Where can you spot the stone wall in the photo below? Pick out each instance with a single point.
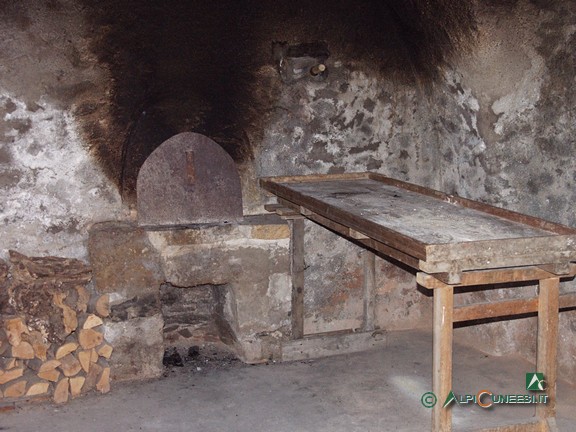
(51, 189)
(497, 126)
(506, 137)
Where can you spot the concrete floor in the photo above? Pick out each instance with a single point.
(373, 391)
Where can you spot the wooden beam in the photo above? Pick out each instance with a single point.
(369, 290)
(287, 213)
(272, 207)
(333, 343)
(442, 357)
(485, 254)
(368, 242)
(357, 234)
(297, 275)
(548, 343)
(559, 269)
(507, 307)
(492, 310)
(283, 211)
(449, 278)
(369, 228)
(390, 252)
(266, 181)
(492, 276)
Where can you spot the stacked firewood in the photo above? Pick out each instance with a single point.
(51, 330)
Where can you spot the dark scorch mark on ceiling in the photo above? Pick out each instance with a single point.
(196, 65)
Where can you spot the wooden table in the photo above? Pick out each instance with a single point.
(450, 242)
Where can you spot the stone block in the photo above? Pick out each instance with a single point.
(204, 264)
(138, 347)
(270, 232)
(123, 260)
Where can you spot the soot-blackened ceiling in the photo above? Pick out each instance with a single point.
(195, 65)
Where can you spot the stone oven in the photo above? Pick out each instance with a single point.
(192, 270)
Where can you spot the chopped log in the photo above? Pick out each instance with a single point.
(58, 298)
(66, 349)
(102, 305)
(69, 318)
(105, 350)
(38, 365)
(84, 359)
(38, 388)
(92, 377)
(103, 384)
(70, 365)
(49, 365)
(8, 363)
(83, 299)
(61, 392)
(11, 375)
(92, 321)
(23, 351)
(16, 390)
(34, 364)
(50, 375)
(71, 298)
(76, 385)
(64, 269)
(39, 344)
(90, 338)
(94, 355)
(15, 327)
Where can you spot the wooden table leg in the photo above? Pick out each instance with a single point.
(547, 347)
(297, 275)
(442, 357)
(369, 290)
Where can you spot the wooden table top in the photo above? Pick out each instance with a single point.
(444, 232)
